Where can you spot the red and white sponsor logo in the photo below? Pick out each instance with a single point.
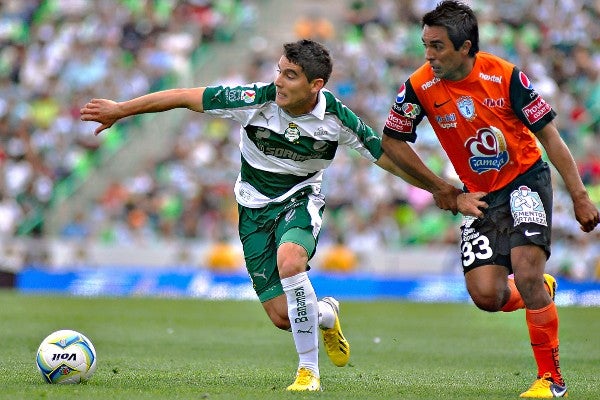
(399, 122)
(525, 81)
(501, 102)
(536, 110)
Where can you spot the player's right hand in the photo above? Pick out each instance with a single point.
(445, 198)
(102, 111)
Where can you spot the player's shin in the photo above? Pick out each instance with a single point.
(303, 315)
(543, 332)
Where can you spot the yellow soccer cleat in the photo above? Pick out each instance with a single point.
(306, 381)
(545, 388)
(551, 284)
(336, 345)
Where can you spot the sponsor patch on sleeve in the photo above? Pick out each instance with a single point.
(248, 96)
(525, 81)
(399, 123)
(536, 110)
(401, 94)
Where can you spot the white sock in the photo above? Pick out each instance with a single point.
(303, 314)
(326, 315)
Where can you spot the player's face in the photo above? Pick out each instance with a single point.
(446, 62)
(295, 94)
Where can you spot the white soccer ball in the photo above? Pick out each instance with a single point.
(66, 356)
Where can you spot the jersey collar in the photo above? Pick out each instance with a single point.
(319, 110)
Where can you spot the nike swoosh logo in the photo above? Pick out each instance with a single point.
(436, 105)
(558, 391)
(527, 233)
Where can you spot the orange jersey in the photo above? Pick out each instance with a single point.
(484, 122)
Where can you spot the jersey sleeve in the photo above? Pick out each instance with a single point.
(406, 113)
(232, 97)
(353, 131)
(528, 105)
(362, 138)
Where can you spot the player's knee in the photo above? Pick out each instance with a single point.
(530, 286)
(490, 302)
(291, 259)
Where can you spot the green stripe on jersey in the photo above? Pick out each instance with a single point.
(217, 97)
(271, 184)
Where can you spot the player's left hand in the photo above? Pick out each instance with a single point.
(470, 204)
(586, 214)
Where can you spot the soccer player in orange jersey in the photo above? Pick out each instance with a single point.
(488, 119)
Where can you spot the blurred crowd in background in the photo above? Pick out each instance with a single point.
(55, 55)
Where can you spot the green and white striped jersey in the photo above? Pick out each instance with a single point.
(281, 153)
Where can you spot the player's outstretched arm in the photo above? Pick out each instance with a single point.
(107, 112)
(401, 160)
(385, 162)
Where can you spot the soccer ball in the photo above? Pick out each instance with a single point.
(66, 356)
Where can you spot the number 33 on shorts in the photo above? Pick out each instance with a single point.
(474, 245)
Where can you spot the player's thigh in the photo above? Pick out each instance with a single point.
(302, 223)
(260, 252)
(485, 255)
(486, 281)
(485, 241)
(531, 202)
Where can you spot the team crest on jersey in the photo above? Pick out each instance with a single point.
(411, 110)
(488, 150)
(248, 96)
(292, 133)
(466, 106)
(527, 207)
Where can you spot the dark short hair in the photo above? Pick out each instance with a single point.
(312, 56)
(459, 20)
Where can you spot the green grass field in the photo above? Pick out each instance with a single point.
(154, 348)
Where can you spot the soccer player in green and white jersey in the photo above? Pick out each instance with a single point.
(290, 131)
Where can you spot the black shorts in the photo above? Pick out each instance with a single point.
(518, 214)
